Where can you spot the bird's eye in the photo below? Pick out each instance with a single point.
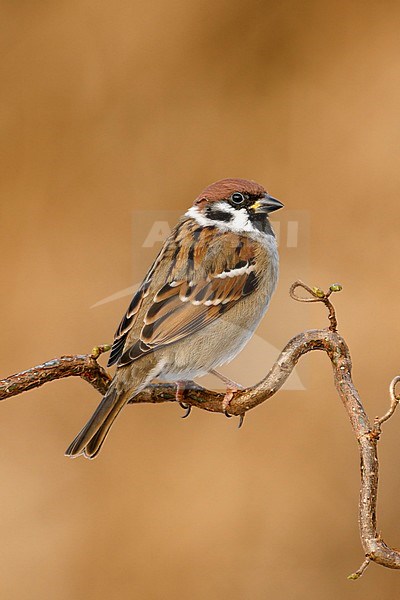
(237, 198)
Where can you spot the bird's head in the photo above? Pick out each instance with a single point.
(236, 204)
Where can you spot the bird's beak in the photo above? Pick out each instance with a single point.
(266, 204)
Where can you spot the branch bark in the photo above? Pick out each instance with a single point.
(328, 340)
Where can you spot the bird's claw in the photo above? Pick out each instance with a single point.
(187, 408)
(225, 405)
(179, 397)
(241, 417)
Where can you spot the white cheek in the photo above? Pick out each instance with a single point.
(195, 214)
(239, 222)
(240, 218)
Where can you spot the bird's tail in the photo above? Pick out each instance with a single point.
(91, 438)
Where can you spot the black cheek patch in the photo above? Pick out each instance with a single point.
(219, 215)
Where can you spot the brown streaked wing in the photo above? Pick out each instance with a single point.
(178, 253)
(183, 307)
(129, 319)
(125, 326)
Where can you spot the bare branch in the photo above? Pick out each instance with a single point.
(357, 574)
(327, 340)
(80, 365)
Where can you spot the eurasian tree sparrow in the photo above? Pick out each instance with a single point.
(198, 305)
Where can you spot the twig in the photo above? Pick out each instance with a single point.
(394, 401)
(327, 340)
(357, 574)
(318, 295)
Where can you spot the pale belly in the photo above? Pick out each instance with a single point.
(214, 346)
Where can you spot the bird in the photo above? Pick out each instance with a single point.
(199, 303)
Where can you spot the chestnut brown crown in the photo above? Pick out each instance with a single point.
(224, 188)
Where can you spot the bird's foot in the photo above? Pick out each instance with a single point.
(227, 400)
(231, 388)
(230, 391)
(180, 397)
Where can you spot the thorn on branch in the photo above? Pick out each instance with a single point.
(318, 295)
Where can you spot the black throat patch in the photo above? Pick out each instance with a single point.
(261, 222)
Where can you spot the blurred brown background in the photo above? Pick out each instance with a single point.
(110, 107)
